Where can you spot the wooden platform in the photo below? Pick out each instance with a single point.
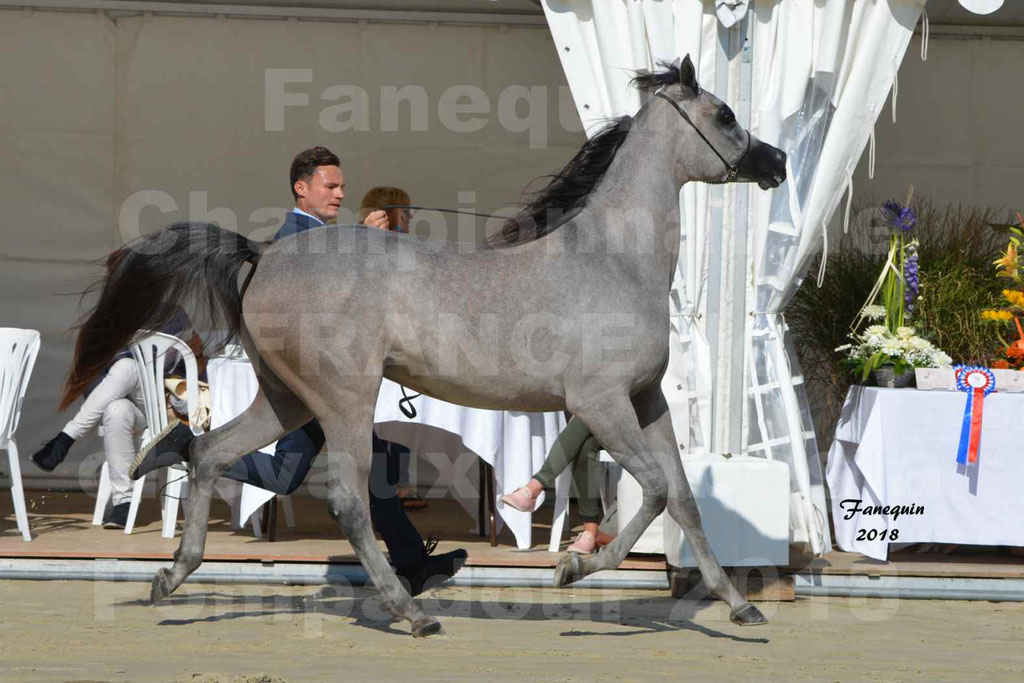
(61, 528)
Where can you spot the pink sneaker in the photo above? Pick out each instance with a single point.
(585, 544)
(521, 499)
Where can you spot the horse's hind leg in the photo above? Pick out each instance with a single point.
(653, 412)
(349, 446)
(266, 420)
(614, 423)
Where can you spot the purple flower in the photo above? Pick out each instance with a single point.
(910, 276)
(908, 219)
(897, 216)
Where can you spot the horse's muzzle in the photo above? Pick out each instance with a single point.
(764, 165)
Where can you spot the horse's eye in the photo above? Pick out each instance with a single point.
(726, 116)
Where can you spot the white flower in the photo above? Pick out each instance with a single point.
(844, 347)
(874, 312)
(876, 331)
(919, 344)
(905, 332)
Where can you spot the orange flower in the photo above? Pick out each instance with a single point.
(1008, 263)
(1001, 365)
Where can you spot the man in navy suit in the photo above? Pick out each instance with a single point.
(318, 187)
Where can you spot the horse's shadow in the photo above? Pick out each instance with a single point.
(656, 614)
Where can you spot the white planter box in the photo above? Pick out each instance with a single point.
(930, 379)
(744, 507)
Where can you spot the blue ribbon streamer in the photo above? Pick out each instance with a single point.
(965, 431)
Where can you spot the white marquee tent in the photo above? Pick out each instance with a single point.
(809, 77)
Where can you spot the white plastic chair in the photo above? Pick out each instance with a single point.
(18, 349)
(149, 355)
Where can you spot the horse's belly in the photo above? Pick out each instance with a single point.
(488, 393)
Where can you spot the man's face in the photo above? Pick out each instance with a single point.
(321, 195)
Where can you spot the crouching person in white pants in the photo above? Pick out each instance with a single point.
(116, 404)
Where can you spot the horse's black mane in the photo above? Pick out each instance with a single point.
(567, 190)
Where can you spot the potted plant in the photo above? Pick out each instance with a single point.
(890, 350)
(891, 357)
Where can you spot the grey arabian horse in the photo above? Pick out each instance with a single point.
(570, 312)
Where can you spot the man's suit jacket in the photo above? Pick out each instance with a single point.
(295, 223)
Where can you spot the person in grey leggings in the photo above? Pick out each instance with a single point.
(575, 446)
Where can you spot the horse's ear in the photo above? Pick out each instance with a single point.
(688, 75)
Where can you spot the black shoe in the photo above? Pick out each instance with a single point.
(168, 448)
(432, 570)
(117, 518)
(53, 452)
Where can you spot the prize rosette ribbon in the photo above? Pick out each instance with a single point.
(977, 383)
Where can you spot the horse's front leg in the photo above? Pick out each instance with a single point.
(614, 423)
(653, 412)
(348, 503)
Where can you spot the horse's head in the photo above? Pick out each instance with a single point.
(716, 149)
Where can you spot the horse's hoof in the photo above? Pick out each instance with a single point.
(161, 587)
(427, 626)
(568, 570)
(748, 615)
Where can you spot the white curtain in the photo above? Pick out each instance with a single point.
(820, 75)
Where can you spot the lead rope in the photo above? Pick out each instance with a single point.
(406, 400)
(432, 208)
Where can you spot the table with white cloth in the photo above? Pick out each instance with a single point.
(514, 444)
(898, 447)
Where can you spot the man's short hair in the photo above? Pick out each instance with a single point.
(306, 162)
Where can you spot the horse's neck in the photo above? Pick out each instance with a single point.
(633, 212)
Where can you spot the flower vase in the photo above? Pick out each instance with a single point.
(886, 376)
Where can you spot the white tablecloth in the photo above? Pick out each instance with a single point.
(898, 447)
(449, 436)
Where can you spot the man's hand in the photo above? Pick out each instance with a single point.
(377, 219)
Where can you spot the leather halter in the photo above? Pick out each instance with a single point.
(733, 169)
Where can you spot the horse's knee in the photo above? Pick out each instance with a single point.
(656, 493)
(342, 506)
(685, 507)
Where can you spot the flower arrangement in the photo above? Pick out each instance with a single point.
(879, 346)
(890, 341)
(1010, 266)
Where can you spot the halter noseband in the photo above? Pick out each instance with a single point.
(733, 169)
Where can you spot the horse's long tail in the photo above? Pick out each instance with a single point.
(148, 283)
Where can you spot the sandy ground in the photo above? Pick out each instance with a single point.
(98, 631)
